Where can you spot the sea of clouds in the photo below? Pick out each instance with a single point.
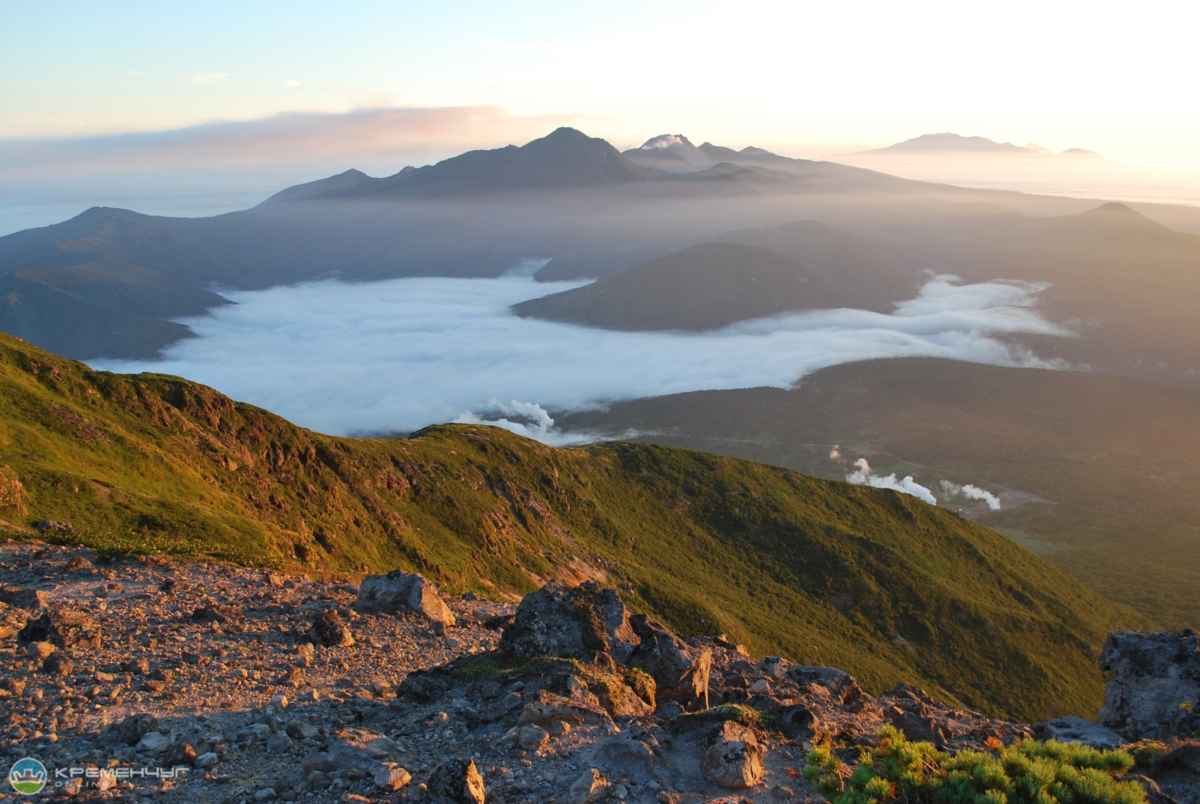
(394, 356)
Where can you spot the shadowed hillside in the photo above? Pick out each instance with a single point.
(1096, 472)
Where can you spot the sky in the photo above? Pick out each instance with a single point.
(120, 101)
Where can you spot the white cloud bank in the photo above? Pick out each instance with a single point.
(401, 354)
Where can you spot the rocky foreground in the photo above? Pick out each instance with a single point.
(153, 680)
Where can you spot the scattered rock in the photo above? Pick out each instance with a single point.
(735, 760)
(78, 563)
(533, 738)
(331, 631)
(400, 591)
(65, 628)
(588, 788)
(58, 664)
(23, 597)
(391, 779)
(130, 730)
(457, 781)
(153, 742)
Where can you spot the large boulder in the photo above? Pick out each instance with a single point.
(570, 623)
(1154, 692)
(681, 672)
(735, 759)
(65, 628)
(406, 592)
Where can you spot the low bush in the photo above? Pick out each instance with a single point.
(1028, 772)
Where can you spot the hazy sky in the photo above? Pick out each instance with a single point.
(788, 75)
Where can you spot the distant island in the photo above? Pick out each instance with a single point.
(947, 143)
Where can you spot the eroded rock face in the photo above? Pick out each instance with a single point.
(566, 622)
(735, 760)
(400, 591)
(1154, 692)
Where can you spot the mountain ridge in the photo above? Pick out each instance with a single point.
(884, 585)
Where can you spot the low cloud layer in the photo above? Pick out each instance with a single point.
(395, 356)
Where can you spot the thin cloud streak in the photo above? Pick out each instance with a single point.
(391, 136)
(395, 356)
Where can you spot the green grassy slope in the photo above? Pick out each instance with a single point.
(1106, 464)
(878, 583)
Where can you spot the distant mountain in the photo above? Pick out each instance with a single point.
(869, 580)
(1093, 471)
(675, 153)
(671, 152)
(947, 143)
(564, 158)
(703, 287)
(109, 283)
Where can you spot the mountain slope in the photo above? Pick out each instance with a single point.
(700, 288)
(869, 580)
(1094, 472)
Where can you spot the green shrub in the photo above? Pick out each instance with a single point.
(1029, 772)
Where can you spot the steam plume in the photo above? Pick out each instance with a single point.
(863, 476)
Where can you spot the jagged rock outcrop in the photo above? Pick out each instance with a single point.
(1155, 687)
(575, 623)
(680, 671)
(400, 591)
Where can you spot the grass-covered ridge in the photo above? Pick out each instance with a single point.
(877, 583)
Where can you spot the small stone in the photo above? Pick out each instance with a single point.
(206, 760)
(39, 650)
(533, 738)
(130, 730)
(58, 664)
(299, 730)
(266, 794)
(458, 781)
(391, 779)
(588, 788)
(180, 754)
(78, 563)
(153, 742)
(331, 631)
(279, 743)
(760, 687)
